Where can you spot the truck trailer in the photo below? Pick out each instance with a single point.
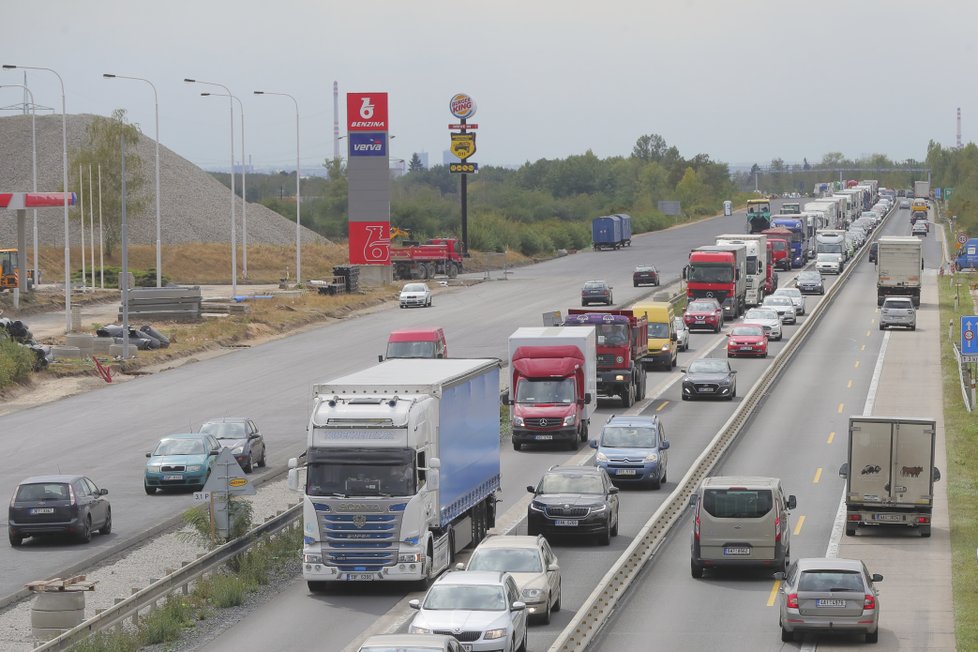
(899, 260)
(402, 469)
(757, 263)
(553, 384)
(890, 473)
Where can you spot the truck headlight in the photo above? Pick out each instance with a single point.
(411, 558)
(652, 457)
(601, 457)
(665, 347)
(414, 629)
(570, 419)
(518, 422)
(312, 559)
(493, 634)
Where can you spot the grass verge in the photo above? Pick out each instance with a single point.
(961, 428)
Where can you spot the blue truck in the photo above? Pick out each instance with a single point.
(799, 237)
(611, 231)
(968, 256)
(402, 469)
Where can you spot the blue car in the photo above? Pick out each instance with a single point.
(181, 461)
(633, 449)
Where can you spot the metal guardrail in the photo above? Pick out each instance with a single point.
(600, 604)
(178, 580)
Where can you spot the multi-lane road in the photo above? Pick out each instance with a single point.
(105, 434)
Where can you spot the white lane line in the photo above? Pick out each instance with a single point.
(838, 527)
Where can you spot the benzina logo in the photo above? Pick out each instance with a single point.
(365, 124)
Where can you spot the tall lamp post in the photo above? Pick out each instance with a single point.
(34, 165)
(64, 166)
(234, 236)
(156, 105)
(298, 196)
(244, 187)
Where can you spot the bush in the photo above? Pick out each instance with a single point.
(166, 624)
(228, 591)
(16, 362)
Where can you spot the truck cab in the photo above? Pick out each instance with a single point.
(416, 343)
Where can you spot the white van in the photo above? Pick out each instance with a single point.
(740, 521)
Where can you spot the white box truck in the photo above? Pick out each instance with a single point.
(921, 189)
(899, 260)
(890, 473)
(553, 384)
(402, 469)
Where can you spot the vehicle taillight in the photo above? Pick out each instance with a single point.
(777, 529)
(923, 519)
(792, 600)
(869, 602)
(71, 495)
(696, 523)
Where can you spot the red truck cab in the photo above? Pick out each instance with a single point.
(549, 395)
(416, 343)
(780, 239)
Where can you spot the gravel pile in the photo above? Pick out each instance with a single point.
(194, 207)
(116, 578)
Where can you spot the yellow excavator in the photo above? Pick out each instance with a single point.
(403, 234)
(8, 270)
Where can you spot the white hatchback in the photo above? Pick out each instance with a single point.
(415, 294)
(829, 263)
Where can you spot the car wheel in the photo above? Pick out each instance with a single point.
(530, 530)
(107, 526)
(614, 529)
(86, 534)
(15, 539)
(913, 327)
(685, 398)
(544, 618)
(786, 636)
(665, 474)
(696, 570)
(517, 446)
(882, 327)
(584, 304)
(655, 483)
(261, 462)
(556, 607)
(873, 637)
(605, 537)
(249, 466)
(522, 647)
(150, 491)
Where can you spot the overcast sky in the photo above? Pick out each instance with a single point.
(742, 81)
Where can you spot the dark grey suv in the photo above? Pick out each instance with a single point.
(58, 504)
(576, 501)
(596, 292)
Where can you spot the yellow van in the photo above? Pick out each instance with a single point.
(663, 349)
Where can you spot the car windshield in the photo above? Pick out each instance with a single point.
(570, 483)
(809, 276)
(701, 306)
(402, 648)
(708, 366)
(747, 330)
(29, 493)
(512, 560)
(628, 437)
(224, 429)
(658, 329)
(411, 350)
(535, 392)
(831, 580)
(760, 313)
(413, 287)
(459, 597)
(737, 503)
(180, 447)
(900, 304)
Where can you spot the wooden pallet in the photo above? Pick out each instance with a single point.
(76, 583)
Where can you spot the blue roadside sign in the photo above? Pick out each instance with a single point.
(969, 336)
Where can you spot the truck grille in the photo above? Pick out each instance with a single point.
(567, 511)
(359, 542)
(543, 422)
(606, 359)
(361, 562)
(462, 637)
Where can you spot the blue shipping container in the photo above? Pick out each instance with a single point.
(626, 229)
(606, 232)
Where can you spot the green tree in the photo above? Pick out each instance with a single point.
(415, 165)
(650, 148)
(103, 149)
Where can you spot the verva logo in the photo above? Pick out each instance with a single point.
(366, 111)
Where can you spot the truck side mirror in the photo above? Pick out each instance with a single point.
(936, 474)
(792, 501)
(293, 481)
(692, 500)
(844, 471)
(587, 398)
(685, 272)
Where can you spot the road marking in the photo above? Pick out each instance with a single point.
(831, 437)
(774, 593)
(849, 386)
(801, 521)
(862, 348)
(660, 408)
(875, 382)
(868, 333)
(841, 406)
(818, 476)
(856, 366)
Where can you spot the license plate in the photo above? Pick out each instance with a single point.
(888, 517)
(42, 510)
(821, 602)
(747, 348)
(625, 472)
(173, 477)
(706, 389)
(545, 437)
(565, 522)
(736, 552)
(700, 321)
(360, 577)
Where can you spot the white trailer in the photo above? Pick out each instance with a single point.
(756, 245)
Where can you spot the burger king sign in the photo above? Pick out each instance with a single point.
(462, 106)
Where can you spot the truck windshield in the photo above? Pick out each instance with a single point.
(535, 392)
(826, 248)
(710, 273)
(411, 349)
(658, 330)
(752, 264)
(612, 335)
(361, 472)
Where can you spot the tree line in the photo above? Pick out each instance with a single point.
(957, 168)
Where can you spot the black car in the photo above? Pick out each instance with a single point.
(645, 275)
(810, 282)
(242, 437)
(709, 378)
(574, 500)
(596, 292)
(873, 248)
(58, 504)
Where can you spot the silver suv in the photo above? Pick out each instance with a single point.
(898, 311)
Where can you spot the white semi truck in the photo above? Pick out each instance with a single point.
(899, 260)
(402, 469)
(756, 245)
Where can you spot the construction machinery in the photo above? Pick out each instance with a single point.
(8, 270)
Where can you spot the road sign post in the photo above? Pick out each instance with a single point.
(969, 338)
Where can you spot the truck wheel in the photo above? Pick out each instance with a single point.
(452, 270)
(316, 587)
(583, 434)
(628, 396)
(573, 444)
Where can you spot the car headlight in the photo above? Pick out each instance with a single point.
(312, 559)
(493, 634)
(193, 468)
(570, 419)
(595, 509)
(665, 347)
(601, 457)
(532, 594)
(238, 451)
(153, 468)
(518, 421)
(536, 507)
(414, 629)
(652, 457)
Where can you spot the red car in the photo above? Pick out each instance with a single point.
(704, 313)
(747, 339)
(645, 275)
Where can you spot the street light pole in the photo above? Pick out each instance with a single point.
(34, 164)
(298, 195)
(244, 187)
(156, 105)
(64, 167)
(234, 236)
